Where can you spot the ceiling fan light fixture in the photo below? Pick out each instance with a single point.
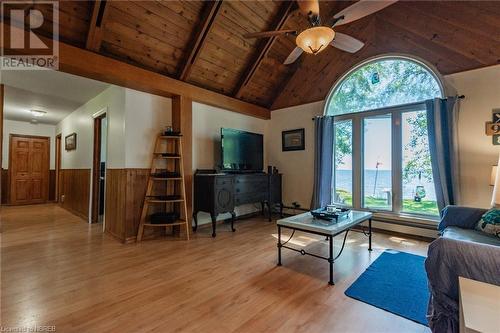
(315, 40)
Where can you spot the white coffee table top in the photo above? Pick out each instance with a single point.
(307, 222)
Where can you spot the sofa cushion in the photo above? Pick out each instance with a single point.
(490, 222)
(469, 235)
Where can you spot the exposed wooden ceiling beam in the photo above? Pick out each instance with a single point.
(286, 7)
(199, 39)
(81, 62)
(94, 35)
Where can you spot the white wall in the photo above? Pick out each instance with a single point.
(146, 115)
(481, 88)
(207, 122)
(22, 127)
(81, 122)
(296, 166)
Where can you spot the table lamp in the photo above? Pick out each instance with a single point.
(495, 181)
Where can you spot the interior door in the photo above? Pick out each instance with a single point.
(29, 170)
(39, 167)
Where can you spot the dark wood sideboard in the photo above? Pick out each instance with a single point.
(217, 193)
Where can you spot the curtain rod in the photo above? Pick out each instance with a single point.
(456, 96)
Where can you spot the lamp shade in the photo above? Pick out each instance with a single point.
(493, 176)
(495, 199)
(316, 39)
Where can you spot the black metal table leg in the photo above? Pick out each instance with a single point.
(330, 261)
(279, 245)
(370, 235)
(270, 216)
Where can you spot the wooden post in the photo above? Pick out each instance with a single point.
(182, 120)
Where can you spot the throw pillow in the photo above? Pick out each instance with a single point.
(490, 222)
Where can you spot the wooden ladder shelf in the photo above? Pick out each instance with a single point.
(166, 188)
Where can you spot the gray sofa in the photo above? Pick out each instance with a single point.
(459, 251)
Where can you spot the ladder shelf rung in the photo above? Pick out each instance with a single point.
(182, 222)
(166, 178)
(163, 201)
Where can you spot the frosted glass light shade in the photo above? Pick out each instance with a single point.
(316, 39)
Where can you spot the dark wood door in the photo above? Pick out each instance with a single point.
(29, 170)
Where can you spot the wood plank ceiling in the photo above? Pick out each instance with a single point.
(201, 42)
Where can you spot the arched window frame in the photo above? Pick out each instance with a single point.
(396, 111)
(430, 68)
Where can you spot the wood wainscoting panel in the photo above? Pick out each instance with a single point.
(75, 187)
(5, 186)
(125, 190)
(115, 202)
(137, 183)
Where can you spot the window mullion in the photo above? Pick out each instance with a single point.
(357, 163)
(397, 158)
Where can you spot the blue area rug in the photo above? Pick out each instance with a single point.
(395, 282)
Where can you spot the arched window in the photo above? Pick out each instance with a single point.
(382, 159)
(381, 83)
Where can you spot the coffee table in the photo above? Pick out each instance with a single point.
(307, 223)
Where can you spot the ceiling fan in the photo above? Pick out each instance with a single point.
(317, 37)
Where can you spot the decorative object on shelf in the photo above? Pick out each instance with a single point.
(293, 140)
(166, 191)
(70, 142)
(492, 128)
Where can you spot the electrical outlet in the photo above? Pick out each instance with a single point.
(62, 198)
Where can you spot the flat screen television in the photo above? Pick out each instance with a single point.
(241, 151)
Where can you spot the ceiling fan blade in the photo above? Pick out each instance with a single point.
(361, 9)
(265, 34)
(346, 43)
(309, 7)
(293, 56)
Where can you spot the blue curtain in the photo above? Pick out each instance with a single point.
(442, 117)
(323, 161)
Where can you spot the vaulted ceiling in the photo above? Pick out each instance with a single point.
(201, 42)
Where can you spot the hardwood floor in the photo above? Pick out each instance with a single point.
(58, 270)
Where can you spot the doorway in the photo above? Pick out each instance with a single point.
(28, 169)
(99, 168)
(58, 167)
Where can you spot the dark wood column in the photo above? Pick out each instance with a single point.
(1, 132)
(182, 120)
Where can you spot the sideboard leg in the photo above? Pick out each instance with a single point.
(233, 217)
(214, 224)
(195, 219)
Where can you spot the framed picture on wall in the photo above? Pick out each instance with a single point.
(293, 140)
(70, 142)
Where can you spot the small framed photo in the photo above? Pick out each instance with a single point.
(70, 142)
(293, 140)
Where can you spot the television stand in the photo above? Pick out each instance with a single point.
(221, 193)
